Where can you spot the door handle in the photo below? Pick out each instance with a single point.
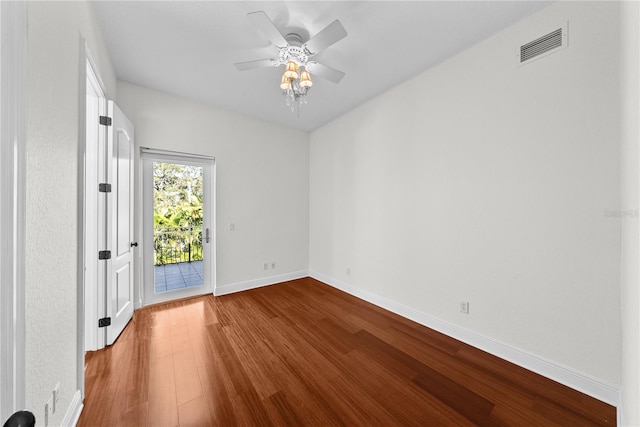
(206, 236)
(134, 244)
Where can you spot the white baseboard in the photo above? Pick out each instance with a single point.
(562, 374)
(257, 283)
(73, 412)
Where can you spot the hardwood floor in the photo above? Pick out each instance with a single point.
(303, 353)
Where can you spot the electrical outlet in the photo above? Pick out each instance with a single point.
(464, 307)
(273, 264)
(56, 398)
(232, 226)
(47, 410)
(348, 272)
(266, 265)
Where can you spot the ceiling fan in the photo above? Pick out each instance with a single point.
(295, 54)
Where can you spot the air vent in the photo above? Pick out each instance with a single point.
(541, 46)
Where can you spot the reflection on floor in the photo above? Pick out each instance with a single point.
(181, 275)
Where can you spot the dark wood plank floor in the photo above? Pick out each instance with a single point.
(303, 353)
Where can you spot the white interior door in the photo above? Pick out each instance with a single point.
(119, 297)
(178, 250)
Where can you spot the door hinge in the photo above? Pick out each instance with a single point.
(104, 255)
(105, 321)
(104, 187)
(105, 121)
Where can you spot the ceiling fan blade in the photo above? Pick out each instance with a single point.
(261, 21)
(331, 34)
(260, 63)
(325, 72)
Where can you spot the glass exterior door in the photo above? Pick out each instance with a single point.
(177, 227)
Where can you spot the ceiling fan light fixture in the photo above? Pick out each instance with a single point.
(294, 54)
(285, 83)
(305, 79)
(291, 72)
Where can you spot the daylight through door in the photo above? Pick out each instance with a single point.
(177, 227)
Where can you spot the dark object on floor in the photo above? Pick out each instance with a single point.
(21, 419)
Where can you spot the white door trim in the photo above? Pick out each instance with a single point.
(94, 219)
(12, 206)
(188, 156)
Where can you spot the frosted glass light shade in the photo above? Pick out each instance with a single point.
(292, 70)
(285, 83)
(305, 79)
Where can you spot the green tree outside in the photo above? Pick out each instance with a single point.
(177, 215)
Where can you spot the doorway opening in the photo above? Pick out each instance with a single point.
(178, 253)
(108, 248)
(177, 226)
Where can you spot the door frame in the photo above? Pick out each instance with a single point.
(146, 248)
(13, 35)
(92, 297)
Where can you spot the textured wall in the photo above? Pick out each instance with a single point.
(54, 96)
(486, 182)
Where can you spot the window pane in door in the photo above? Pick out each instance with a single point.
(177, 232)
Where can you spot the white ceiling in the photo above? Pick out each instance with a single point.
(188, 48)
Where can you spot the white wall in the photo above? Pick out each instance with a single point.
(55, 112)
(485, 182)
(630, 158)
(262, 181)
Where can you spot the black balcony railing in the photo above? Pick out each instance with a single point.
(177, 244)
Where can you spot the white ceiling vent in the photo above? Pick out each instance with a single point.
(542, 46)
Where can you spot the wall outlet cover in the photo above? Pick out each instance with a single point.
(48, 407)
(464, 307)
(56, 398)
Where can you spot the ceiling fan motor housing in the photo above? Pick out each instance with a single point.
(293, 48)
(294, 51)
(293, 39)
